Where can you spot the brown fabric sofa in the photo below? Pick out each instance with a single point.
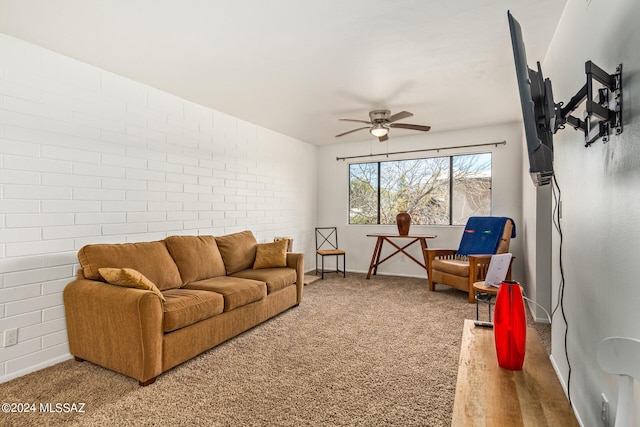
(211, 292)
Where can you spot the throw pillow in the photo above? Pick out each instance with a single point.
(271, 255)
(130, 278)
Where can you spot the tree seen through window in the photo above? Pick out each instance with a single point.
(438, 190)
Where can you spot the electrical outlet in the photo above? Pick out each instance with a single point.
(402, 258)
(604, 411)
(10, 337)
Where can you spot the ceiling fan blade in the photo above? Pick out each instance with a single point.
(354, 120)
(354, 130)
(383, 138)
(399, 116)
(408, 126)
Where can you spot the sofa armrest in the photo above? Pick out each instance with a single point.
(115, 327)
(478, 267)
(433, 254)
(295, 260)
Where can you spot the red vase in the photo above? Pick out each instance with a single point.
(510, 326)
(403, 219)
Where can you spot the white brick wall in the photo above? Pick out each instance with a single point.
(87, 156)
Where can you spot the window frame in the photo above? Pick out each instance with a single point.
(451, 186)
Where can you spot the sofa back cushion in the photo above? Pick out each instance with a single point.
(129, 278)
(197, 257)
(238, 250)
(152, 259)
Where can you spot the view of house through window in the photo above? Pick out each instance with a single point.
(436, 190)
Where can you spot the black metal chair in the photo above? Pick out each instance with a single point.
(327, 245)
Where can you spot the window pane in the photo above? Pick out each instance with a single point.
(419, 186)
(363, 193)
(471, 187)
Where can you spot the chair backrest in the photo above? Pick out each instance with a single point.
(486, 235)
(326, 238)
(503, 247)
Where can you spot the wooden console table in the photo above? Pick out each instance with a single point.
(377, 251)
(488, 395)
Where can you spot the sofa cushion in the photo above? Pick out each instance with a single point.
(452, 266)
(275, 278)
(197, 257)
(129, 278)
(152, 259)
(184, 307)
(236, 291)
(271, 255)
(238, 250)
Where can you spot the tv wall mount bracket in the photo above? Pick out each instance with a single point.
(600, 120)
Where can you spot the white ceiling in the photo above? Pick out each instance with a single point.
(296, 66)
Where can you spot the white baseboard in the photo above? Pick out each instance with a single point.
(35, 368)
(564, 387)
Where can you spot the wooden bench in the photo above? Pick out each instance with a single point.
(488, 395)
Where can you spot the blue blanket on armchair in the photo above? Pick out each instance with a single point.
(482, 235)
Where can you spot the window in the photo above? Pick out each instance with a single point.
(437, 190)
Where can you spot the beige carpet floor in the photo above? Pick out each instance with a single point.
(356, 352)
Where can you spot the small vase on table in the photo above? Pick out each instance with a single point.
(403, 219)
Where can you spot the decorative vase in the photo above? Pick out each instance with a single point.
(403, 219)
(510, 326)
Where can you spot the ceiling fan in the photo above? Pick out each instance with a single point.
(381, 121)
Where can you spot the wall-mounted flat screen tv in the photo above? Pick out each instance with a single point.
(538, 109)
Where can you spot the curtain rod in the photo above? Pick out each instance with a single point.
(422, 151)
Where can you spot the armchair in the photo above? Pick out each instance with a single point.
(482, 237)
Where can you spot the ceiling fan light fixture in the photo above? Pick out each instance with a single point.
(379, 130)
(380, 121)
